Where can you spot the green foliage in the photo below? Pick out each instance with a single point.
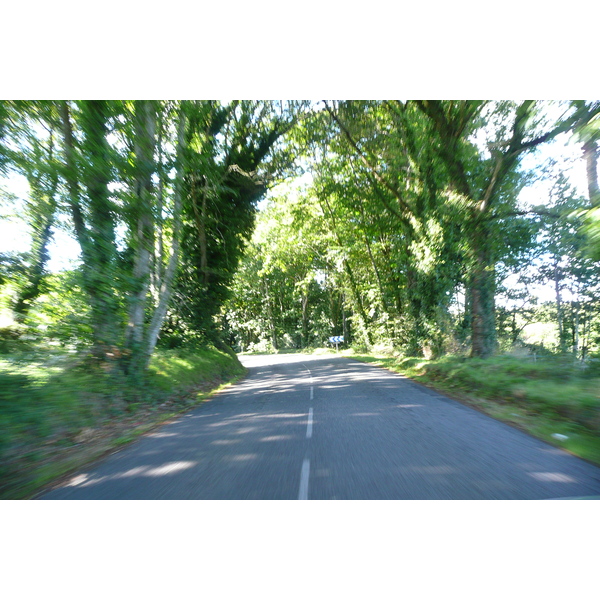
(174, 370)
(543, 396)
(62, 313)
(233, 155)
(554, 385)
(409, 203)
(49, 400)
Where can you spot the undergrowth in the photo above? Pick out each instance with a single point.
(52, 406)
(548, 397)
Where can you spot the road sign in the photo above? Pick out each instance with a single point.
(336, 339)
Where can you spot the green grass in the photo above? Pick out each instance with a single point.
(553, 395)
(55, 415)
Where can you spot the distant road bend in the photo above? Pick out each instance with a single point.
(326, 427)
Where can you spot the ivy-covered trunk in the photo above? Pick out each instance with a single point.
(145, 127)
(94, 223)
(43, 214)
(168, 275)
(482, 303)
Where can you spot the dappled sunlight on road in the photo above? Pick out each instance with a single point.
(169, 468)
(557, 477)
(141, 471)
(242, 457)
(160, 434)
(331, 428)
(365, 414)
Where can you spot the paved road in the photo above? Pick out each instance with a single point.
(310, 427)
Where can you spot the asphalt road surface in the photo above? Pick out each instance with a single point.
(326, 427)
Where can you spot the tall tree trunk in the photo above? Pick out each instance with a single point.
(358, 303)
(345, 329)
(94, 115)
(96, 238)
(166, 286)
(585, 333)
(384, 304)
(43, 220)
(271, 316)
(559, 308)
(42, 234)
(35, 273)
(72, 178)
(159, 250)
(200, 215)
(575, 310)
(590, 155)
(305, 319)
(482, 296)
(145, 126)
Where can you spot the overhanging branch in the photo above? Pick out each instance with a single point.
(378, 177)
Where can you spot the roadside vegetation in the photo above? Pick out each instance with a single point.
(402, 226)
(58, 412)
(553, 398)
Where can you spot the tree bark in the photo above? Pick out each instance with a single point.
(43, 220)
(305, 319)
(559, 308)
(166, 287)
(483, 310)
(145, 126)
(96, 237)
(590, 155)
(159, 251)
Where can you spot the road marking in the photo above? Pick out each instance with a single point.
(309, 373)
(309, 425)
(311, 392)
(303, 493)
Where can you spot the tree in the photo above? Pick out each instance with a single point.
(29, 149)
(481, 183)
(234, 154)
(418, 236)
(126, 319)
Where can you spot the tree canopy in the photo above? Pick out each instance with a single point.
(402, 234)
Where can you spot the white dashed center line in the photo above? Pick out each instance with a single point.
(304, 474)
(303, 493)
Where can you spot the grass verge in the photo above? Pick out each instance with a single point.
(552, 399)
(55, 419)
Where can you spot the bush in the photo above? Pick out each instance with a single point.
(43, 409)
(554, 385)
(13, 339)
